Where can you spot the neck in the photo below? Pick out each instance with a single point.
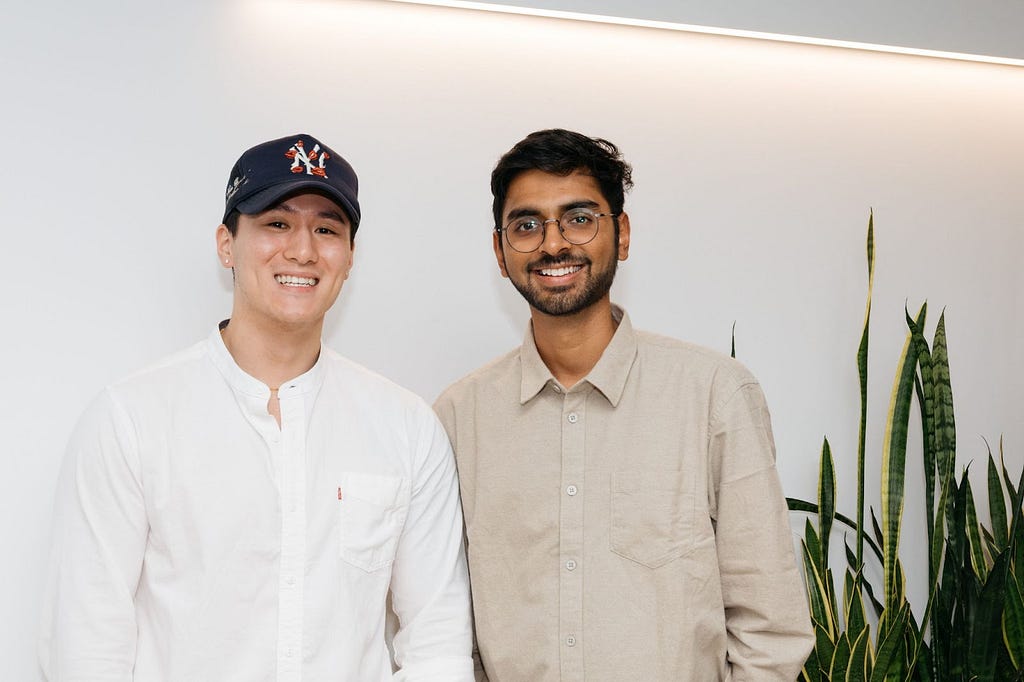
(272, 355)
(570, 345)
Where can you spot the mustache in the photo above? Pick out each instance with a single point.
(558, 261)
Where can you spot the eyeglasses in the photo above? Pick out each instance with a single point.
(577, 226)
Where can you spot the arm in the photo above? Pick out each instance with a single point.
(99, 537)
(429, 584)
(445, 410)
(769, 631)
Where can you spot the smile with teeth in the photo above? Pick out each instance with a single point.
(559, 272)
(293, 281)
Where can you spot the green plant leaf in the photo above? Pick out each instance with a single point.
(990, 542)
(813, 546)
(1010, 490)
(894, 458)
(798, 505)
(853, 602)
(877, 530)
(817, 594)
(823, 650)
(945, 424)
(889, 656)
(851, 560)
(996, 505)
(923, 671)
(977, 552)
(1013, 622)
(941, 595)
(986, 635)
(826, 501)
(924, 387)
(862, 373)
(959, 595)
(913, 636)
(841, 657)
(859, 667)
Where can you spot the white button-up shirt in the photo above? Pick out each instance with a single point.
(195, 540)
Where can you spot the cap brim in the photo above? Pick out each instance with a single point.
(267, 198)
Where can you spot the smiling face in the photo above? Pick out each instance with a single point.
(560, 278)
(289, 263)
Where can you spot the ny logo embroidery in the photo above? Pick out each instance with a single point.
(300, 158)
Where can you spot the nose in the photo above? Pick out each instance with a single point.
(301, 246)
(554, 241)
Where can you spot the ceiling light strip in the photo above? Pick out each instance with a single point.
(711, 30)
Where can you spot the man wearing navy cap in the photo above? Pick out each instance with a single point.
(240, 510)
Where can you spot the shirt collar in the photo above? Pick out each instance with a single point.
(250, 385)
(608, 375)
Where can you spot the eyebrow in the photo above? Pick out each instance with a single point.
(528, 210)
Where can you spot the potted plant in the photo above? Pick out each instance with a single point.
(972, 626)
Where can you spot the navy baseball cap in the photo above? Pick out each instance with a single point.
(268, 172)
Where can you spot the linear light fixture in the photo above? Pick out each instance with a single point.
(712, 30)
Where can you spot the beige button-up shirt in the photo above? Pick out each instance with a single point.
(631, 527)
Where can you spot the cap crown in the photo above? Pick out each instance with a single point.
(268, 172)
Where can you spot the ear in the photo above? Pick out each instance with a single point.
(224, 244)
(498, 253)
(351, 259)
(623, 245)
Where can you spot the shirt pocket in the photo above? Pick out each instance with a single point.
(651, 516)
(371, 513)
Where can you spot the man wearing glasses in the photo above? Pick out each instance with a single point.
(624, 516)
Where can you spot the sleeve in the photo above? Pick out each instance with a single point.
(445, 410)
(767, 620)
(99, 538)
(430, 583)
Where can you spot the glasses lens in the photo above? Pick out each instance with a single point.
(525, 234)
(579, 225)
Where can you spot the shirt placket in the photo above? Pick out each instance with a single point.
(293, 536)
(570, 582)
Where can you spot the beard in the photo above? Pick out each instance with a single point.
(568, 301)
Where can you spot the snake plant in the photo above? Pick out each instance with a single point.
(972, 626)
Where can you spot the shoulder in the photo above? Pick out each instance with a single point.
(172, 370)
(664, 353)
(114, 410)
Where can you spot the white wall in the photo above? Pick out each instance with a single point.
(756, 164)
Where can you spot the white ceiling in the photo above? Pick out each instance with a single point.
(992, 28)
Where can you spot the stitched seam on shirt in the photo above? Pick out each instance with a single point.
(759, 472)
(716, 410)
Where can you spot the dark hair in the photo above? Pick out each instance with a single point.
(561, 152)
(231, 222)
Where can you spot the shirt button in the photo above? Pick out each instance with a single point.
(573, 418)
(571, 490)
(556, 389)
(571, 564)
(570, 641)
